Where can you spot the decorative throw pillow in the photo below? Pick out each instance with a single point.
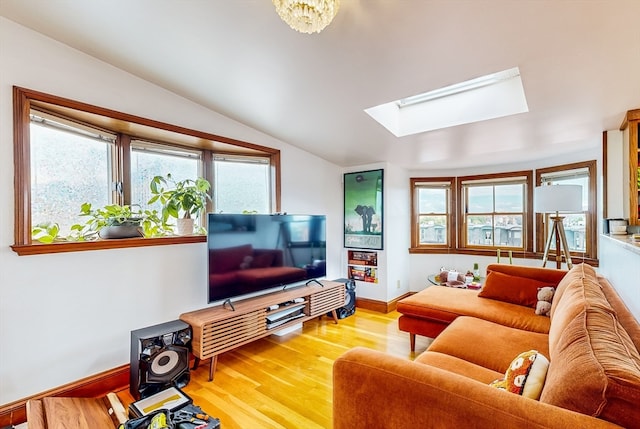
(525, 376)
(512, 289)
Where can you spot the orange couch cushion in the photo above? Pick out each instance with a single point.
(550, 275)
(490, 345)
(511, 288)
(444, 304)
(458, 366)
(595, 367)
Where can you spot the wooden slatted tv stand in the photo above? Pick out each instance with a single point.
(219, 329)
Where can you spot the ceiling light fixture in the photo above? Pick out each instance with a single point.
(307, 16)
(457, 88)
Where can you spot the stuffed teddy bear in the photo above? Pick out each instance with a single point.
(545, 295)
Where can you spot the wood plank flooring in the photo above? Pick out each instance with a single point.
(286, 382)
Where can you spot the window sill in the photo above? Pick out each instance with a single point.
(474, 251)
(576, 259)
(81, 246)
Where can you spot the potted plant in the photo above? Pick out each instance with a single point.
(183, 200)
(116, 221)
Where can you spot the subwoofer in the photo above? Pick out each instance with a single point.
(159, 358)
(349, 306)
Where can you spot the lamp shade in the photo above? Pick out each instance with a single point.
(558, 198)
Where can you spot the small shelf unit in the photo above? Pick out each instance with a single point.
(363, 266)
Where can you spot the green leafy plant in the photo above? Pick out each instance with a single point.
(113, 215)
(185, 198)
(46, 232)
(148, 222)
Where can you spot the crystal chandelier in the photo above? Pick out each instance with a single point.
(307, 16)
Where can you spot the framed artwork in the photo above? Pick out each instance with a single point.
(363, 192)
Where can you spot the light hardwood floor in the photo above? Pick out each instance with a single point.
(286, 382)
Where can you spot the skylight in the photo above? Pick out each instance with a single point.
(479, 99)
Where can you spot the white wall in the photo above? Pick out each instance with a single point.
(393, 264)
(67, 316)
(397, 211)
(620, 264)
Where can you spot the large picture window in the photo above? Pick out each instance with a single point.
(494, 211)
(67, 153)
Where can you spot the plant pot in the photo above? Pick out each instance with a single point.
(123, 230)
(184, 226)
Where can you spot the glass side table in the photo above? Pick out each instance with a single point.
(434, 279)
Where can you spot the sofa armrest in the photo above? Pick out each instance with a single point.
(374, 389)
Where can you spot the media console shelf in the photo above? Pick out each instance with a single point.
(219, 329)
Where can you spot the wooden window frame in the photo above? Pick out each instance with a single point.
(527, 214)
(591, 222)
(534, 239)
(416, 247)
(125, 125)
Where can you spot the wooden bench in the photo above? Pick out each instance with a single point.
(51, 412)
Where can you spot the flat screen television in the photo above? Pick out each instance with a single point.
(252, 253)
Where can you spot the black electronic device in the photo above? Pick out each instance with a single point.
(349, 306)
(253, 253)
(159, 358)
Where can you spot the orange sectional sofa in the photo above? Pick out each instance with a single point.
(590, 338)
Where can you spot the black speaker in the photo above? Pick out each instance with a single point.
(159, 358)
(349, 306)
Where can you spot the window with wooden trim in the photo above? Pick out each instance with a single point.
(67, 153)
(495, 211)
(580, 228)
(433, 223)
(242, 184)
(69, 164)
(150, 159)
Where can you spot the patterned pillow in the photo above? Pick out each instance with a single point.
(525, 376)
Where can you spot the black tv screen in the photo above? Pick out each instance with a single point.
(251, 253)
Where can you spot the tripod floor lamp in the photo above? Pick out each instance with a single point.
(558, 199)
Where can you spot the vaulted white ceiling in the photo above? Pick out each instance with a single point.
(579, 62)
